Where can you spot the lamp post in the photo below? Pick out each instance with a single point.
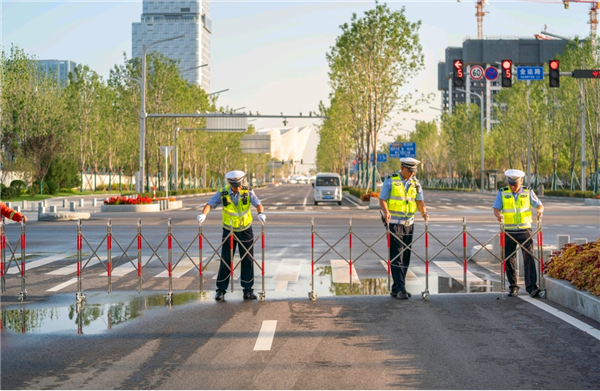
(175, 161)
(480, 97)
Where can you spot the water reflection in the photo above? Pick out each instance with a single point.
(87, 319)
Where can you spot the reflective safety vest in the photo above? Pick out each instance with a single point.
(517, 215)
(402, 202)
(239, 217)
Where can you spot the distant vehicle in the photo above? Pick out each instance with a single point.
(328, 188)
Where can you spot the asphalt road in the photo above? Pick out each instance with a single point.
(351, 337)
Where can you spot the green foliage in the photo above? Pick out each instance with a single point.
(64, 172)
(569, 193)
(11, 192)
(51, 187)
(18, 183)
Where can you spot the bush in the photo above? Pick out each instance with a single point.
(367, 196)
(578, 264)
(18, 183)
(51, 187)
(569, 193)
(64, 172)
(10, 192)
(356, 192)
(128, 201)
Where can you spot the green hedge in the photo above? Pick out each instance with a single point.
(356, 192)
(569, 193)
(447, 188)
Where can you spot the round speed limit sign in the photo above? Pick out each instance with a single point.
(476, 72)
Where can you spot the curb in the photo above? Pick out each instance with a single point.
(564, 293)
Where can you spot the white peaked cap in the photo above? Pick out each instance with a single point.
(235, 176)
(514, 174)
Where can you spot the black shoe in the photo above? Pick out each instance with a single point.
(403, 295)
(514, 292)
(250, 296)
(220, 296)
(394, 294)
(535, 292)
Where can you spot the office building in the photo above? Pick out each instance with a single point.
(163, 19)
(58, 69)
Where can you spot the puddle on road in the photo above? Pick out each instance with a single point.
(92, 318)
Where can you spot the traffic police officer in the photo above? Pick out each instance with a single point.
(400, 198)
(513, 207)
(236, 200)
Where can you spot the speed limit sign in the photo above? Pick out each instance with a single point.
(476, 72)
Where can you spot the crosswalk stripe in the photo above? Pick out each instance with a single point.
(272, 207)
(281, 286)
(291, 207)
(340, 270)
(125, 268)
(63, 271)
(455, 271)
(344, 207)
(63, 285)
(183, 267)
(288, 270)
(327, 207)
(33, 264)
(410, 275)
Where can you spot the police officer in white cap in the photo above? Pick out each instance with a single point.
(513, 207)
(236, 200)
(400, 198)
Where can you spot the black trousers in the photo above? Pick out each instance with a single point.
(246, 237)
(400, 265)
(525, 239)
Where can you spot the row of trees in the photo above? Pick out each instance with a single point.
(547, 121)
(95, 122)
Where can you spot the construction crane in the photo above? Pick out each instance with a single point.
(594, 6)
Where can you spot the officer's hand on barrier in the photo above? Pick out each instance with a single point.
(201, 218)
(262, 217)
(425, 216)
(539, 214)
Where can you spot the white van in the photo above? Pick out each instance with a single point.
(328, 188)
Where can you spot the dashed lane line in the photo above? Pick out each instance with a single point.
(266, 335)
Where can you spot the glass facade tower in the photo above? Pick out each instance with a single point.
(163, 19)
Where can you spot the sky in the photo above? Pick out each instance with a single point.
(271, 54)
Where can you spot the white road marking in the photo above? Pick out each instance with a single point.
(327, 207)
(586, 328)
(266, 335)
(344, 207)
(410, 275)
(446, 207)
(463, 207)
(340, 269)
(279, 203)
(272, 208)
(125, 267)
(33, 264)
(455, 271)
(184, 266)
(309, 208)
(291, 207)
(63, 285)
(288, 270)
(590, 227)
(281, 286)
(63, 271)
(305, 198)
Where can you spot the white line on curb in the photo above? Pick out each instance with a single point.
(266, 335)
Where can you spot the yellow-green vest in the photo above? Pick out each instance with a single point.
(402, 203)
(238, 217)
(517, 215)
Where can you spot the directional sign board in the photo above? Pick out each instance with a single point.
(491, 73)
(400, 150)
(381, 157)
(530, 73)
(476, 72)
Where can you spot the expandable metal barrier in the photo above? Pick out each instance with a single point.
(139, 238)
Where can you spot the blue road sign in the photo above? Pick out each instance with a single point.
(381, 157)
(530, 73)
(400, 150)
(491, 73)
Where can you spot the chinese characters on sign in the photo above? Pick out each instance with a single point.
(530, 73)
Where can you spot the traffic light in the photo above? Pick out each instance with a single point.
(554, 66)
(506, 73)
(458, 76)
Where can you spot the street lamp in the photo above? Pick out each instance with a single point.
(480, 97)
(139, 183)
(218, 92)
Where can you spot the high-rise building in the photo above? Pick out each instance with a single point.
(58, 69)
(163, 19)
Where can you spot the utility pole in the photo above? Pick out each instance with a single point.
(528, 138)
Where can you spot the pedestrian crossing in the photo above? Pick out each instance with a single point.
(282, 274)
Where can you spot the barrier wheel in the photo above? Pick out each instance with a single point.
(312, 296)
(261, 296)
(543, 294)
(425, 295)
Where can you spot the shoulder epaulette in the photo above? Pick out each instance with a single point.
(526, 188)
(388, 177)
(245, 188)
(224, 191)
(504, 188)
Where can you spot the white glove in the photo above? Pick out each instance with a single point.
(201, 218)
(262, 217)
